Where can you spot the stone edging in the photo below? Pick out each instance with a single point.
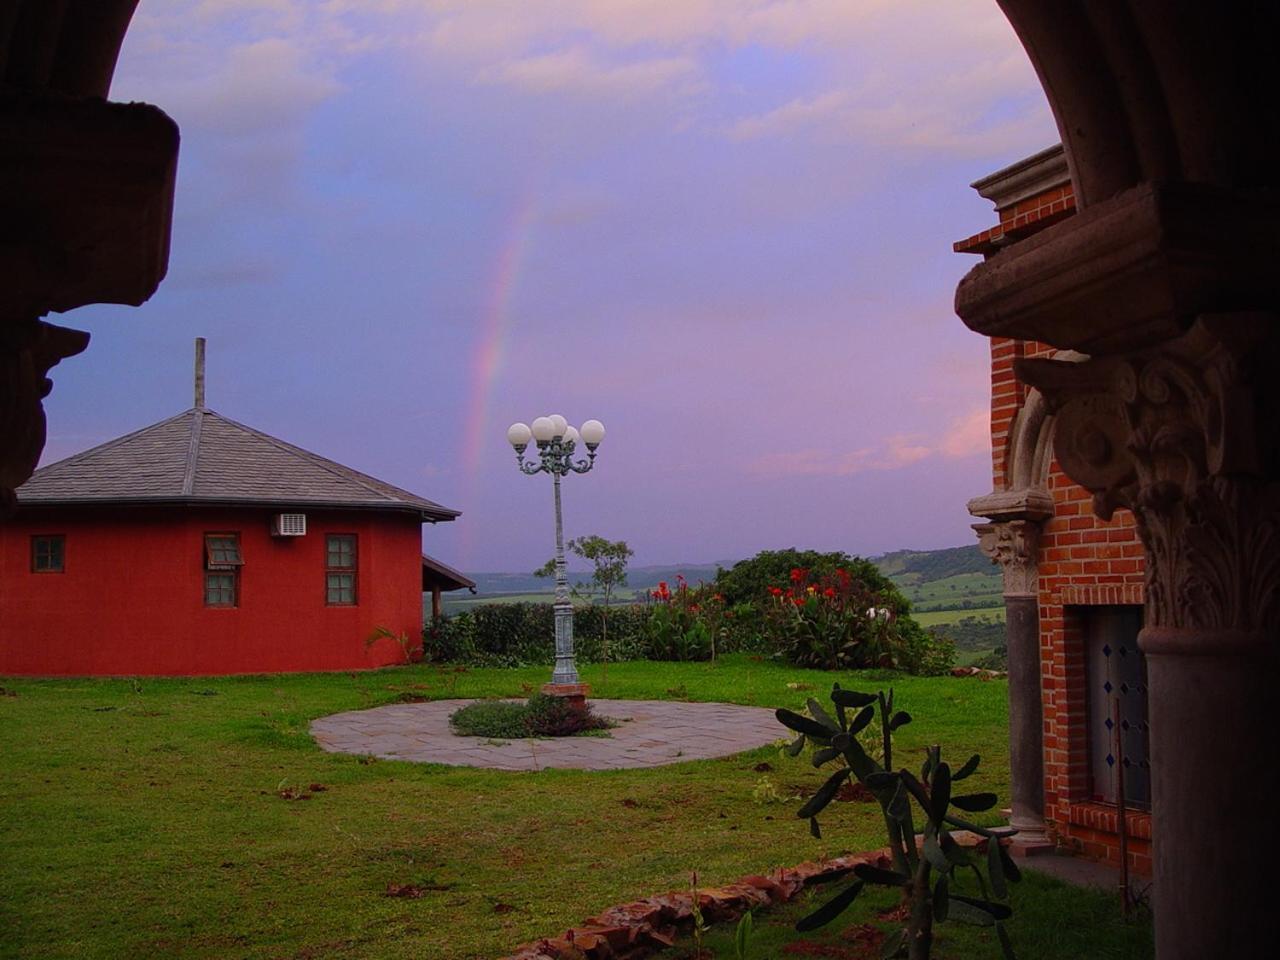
(643, 927)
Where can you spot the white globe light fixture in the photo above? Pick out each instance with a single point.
(592, 433)
(543, 430)
(519, 435)
(557, 442)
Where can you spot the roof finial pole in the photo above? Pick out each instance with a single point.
(199, 373)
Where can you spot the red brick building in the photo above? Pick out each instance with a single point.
(1073, 587)
(198, 545)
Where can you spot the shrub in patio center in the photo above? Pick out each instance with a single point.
(541, 716)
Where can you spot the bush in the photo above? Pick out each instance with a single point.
(748, 581)
(813, 615)
(494, 719)
(836, 620)
(997, 659)
(542, 716)
(926, 653)
(523, 634)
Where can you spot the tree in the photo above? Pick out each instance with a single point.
(609, 562)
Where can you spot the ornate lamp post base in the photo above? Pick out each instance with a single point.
(575, 693)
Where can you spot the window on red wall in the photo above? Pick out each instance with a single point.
(222, 563)
(48, 553)
(340, 570)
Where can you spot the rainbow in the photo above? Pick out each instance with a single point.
(489, 356)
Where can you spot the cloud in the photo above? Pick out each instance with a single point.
(965, 436)
(261, 88)
(955, 116)
(795, 114)
(576, 71)
(968, 435)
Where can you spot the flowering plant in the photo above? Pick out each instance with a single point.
(830, 621)
(676, 629)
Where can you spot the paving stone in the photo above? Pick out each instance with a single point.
(650, 733)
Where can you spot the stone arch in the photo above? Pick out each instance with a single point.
(1175, 91)
(69, 47)
(1029, 447)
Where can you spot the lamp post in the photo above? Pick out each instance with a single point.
(557, 442)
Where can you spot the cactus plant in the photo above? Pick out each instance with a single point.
(925, 869)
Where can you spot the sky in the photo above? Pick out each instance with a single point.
(721, 227)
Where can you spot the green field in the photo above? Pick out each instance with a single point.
(151, 817)
(936, 618)
(977, 589)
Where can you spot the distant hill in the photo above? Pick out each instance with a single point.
(925, 566)
(907, 567)
(638, 578)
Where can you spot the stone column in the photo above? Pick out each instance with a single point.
(1013, 543)
(1186, 434)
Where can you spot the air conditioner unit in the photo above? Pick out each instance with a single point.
(289, 525)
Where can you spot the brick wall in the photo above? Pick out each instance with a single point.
(1083, 561)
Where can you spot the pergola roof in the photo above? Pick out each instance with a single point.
(439, 576)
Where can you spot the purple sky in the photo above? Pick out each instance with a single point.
(722, 227)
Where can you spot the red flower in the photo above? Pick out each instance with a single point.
(796, 574)
(829, 592)
(775, 591)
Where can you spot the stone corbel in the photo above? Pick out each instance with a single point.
(27, 352)
(1185, 436)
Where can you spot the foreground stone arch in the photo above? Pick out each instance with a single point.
(1168, 114)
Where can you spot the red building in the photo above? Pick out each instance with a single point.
(198, 545)
(1073, 588)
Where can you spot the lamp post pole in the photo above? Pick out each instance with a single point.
(557, 442)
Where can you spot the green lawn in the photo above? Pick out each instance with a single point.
(143, 818)
(1051, 921)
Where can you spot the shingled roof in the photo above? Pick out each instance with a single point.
(200, 456)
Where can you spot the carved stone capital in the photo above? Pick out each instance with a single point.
(1185, 436)
(1013, 544)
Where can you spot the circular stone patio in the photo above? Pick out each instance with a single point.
(651, 733)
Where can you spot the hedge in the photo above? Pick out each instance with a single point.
(522, 634)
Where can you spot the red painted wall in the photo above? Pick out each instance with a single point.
(131, 599)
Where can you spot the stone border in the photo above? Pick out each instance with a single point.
(644, 927)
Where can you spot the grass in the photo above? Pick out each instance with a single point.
(159, 816)
(1051, 921)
